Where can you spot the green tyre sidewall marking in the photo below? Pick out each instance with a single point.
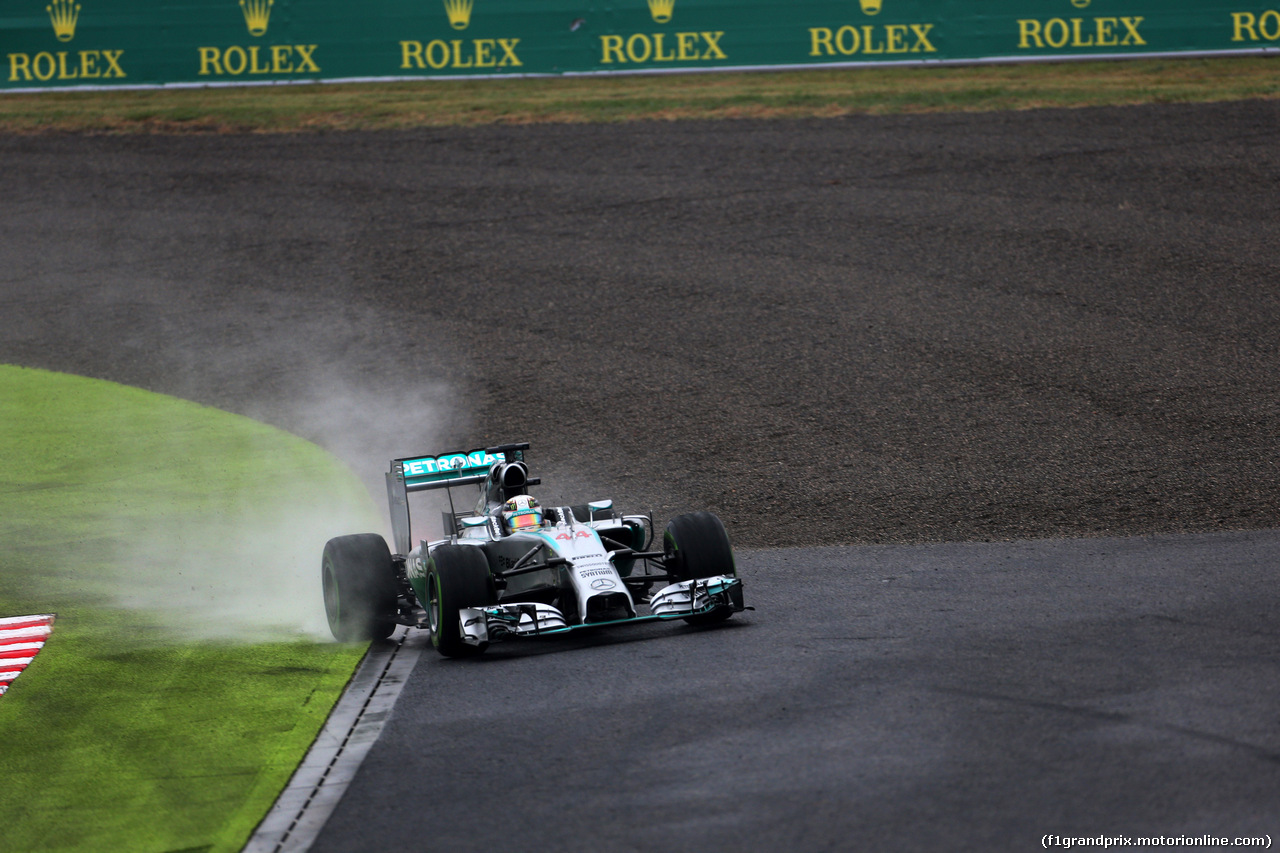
(360, 574)
(332, 597)
(433, 602)
(698, 546)
(459, 576)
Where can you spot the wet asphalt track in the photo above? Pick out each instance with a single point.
(859, 332)
(942, 697)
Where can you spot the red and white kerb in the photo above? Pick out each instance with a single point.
(21, 637)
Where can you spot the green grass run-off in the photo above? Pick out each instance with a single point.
(779, 94)
(187, 673)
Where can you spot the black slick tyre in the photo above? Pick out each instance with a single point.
(457, 577)
(696, 545)
(359, 587)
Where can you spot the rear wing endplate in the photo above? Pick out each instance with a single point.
(441, 471)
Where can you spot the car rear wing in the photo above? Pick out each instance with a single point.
(440, 471)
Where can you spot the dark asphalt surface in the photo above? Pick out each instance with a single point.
(863, 331)
(881, 698)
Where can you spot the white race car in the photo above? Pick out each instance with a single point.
(512, 568)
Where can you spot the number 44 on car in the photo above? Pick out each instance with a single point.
(512, 568)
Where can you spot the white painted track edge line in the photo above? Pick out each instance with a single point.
(300, 812)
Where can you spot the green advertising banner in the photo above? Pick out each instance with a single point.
(78, 43)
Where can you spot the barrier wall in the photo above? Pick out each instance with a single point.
(69, 43)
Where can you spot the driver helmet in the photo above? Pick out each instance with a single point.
(522, 513)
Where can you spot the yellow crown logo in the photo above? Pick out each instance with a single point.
(871, 7)
(661, 10)
(459, 12)
(63, 14)
(257, 13)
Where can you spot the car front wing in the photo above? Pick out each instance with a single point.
(497, 622)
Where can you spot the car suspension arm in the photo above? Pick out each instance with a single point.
(522, 566)
(658, 557)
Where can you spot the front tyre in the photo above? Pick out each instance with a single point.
(359, 587)
(457, 577)
(696, 545)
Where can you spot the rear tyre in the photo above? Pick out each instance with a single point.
(457, 577)
(359, 587)
(696, 546)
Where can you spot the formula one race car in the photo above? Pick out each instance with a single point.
(512, 568)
